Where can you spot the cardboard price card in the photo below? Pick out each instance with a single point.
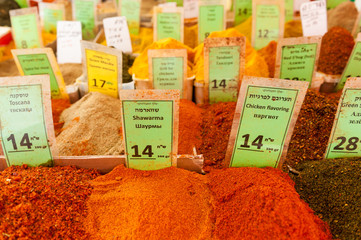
(84, 11)
(212, 18)
(50, 14)
(168, 23)
(150, 128)
(168, 69)
(102, 67)
(352, 68)
(289, 10)
(26, 29)
(27, 129)
(69, 36)
(265, 116)
(190, 9)
(345, 138)
(314, 18)
(117, 33)
(297, 58)
(131, 10)
(224, 66)
(242, 11)
(268, 17)
(41, 61)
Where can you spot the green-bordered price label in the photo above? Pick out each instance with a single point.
(26, 121)
(168, 69)
(150, 128)
(352, 68)
(345, 140)
(224, 61)
(84, 11)
(50, 14)
(212, 18)
(242, 10)
(289, 10)
(41, 61)
(131, 10)
(168, 23)
(265, 116)
(297, 58)
(103, 68)
(267, 22)
(26, 28)
(334, 3)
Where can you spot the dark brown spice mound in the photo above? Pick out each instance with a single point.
(44, 203)
(216, 128)
(313, 128)
(336, 47)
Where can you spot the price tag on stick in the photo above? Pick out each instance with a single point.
(50, 14)
(168, 70)
(85, 12)
(224, 66)
(150, 128)
(297, 58)
(242, 10)
(102, 67)
(268, 18)
(27, 129)
(345, 137)
(117, 33)
(314, 18)
(26, 29)
(131, 10)
(265, 116)
(212, 18)
(41, 61)
(168, 23)
(352, 68)
(68, 41)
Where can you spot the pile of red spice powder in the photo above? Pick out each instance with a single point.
(313, 128)
(336, 47)
(190, 129)
(216, 128)
(44, 203)
(256, 203)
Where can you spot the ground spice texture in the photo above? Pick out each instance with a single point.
(44, 203)
(165, 204)
(255, 203)
(216, 128)
(313, 128)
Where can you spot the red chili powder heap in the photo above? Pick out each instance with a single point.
(336, 47)
(171, 203)
(58, 106)
(255, 203)
(313, 128)
(216, 128)
(190, 129)
(44, 203)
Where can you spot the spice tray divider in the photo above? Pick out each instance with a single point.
(105, 164)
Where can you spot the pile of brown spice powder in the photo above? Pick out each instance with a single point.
(44, 203)
(313, 128)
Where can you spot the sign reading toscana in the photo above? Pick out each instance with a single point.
(150, 128)
(27, 131)
(264, 119)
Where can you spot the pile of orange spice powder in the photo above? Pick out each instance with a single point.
(44, 203)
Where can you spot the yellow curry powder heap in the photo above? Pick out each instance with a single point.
(140, 65)
(255, 64)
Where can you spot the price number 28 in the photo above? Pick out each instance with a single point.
(352, 144)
